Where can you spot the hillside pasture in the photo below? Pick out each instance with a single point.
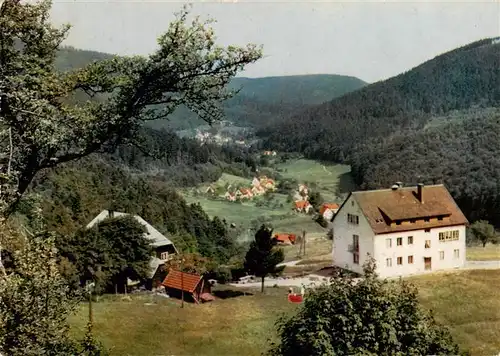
(488, 253)
(331, 180)
(467, 302)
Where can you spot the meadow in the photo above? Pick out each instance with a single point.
(333, 181)
(488, 253)
(467, 302)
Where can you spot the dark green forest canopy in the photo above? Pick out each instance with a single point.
(436, 123)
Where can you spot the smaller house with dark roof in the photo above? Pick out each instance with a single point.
(407, 230)
(164, 249)
(195, 287)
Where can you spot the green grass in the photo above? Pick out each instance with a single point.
(488, 253)
(235, 212)
(317, 247)
(332, 181)
(467, 302)
(234, 326)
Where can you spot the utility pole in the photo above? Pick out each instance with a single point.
(182, 283)
(304, 240)
(89, 291)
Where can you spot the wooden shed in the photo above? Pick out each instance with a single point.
(196, 288)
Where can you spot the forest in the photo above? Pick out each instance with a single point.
(436, 123)
(259, 100)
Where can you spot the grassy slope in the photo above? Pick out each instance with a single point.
(330, 180)
(467, 302)
(488, 253)
(333, 181)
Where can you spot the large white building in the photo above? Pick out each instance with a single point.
(410, 230)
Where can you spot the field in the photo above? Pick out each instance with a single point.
(465, 301)
(332, 181)
(488, 253)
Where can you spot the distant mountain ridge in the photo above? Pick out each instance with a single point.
(455, 80)
(261, 100)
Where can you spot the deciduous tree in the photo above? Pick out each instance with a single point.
(483, 232)
(263, 256)
(110, 252)
(369, 316)
(41, 124)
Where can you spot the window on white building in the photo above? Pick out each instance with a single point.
(427, 243)
(410, 260)
(410, 240)
(400, 241)
(441, 255)
(388, 262)
(400, 260)
(164, 256)
(388, 243)
(456, 253)
(355, 258)
(353, 219)
(449, 236)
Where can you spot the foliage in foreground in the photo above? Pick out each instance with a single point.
(35, 303)
(366, 317)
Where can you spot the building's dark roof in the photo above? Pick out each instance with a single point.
(381, 207)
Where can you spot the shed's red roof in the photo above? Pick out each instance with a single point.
(182, 281)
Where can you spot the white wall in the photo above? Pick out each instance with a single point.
(342, 237)
(418, 251)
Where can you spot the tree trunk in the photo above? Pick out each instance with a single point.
(262, 287)
(484, 244)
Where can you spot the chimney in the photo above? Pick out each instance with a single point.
(420, 192)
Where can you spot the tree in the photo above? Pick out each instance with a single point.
(315, 199)
(43, 119)
(483, 232)
(366, 317)
(263, 256)
(35, 302)
(190, 263)
(109, 253)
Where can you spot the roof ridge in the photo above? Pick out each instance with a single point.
(401, 188)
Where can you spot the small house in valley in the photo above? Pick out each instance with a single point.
(230, 196)
(328, 210)
(407, 230)
(244, 193)
(163, 247)
(195, 288)
(303, 206)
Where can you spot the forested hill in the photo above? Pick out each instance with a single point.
(260, 100)
(458, 79)
(438, 123)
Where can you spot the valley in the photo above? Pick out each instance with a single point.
(170, 204)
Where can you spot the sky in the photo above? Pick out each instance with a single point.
(371, 40)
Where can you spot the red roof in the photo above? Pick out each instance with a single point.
(285, 237)
(332, 206)
(301, 204)
(188, 282)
